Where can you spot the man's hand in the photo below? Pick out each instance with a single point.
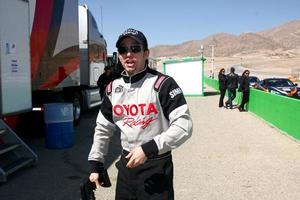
(136, 157)
(94, 177)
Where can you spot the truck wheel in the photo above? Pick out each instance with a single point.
(76, 108)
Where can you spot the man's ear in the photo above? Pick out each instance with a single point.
(146, 53)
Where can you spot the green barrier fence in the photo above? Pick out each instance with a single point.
(282, 112)
(211, 83)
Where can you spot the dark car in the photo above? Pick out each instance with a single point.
(280, 86)
(253, 81)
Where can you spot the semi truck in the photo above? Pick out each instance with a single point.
(50, 51)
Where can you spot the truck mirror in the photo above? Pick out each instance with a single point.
(115, 58)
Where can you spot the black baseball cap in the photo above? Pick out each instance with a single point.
(134, 34)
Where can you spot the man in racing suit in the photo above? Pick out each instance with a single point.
(151, 112)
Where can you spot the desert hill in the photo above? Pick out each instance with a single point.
(287, 34)
(283, 39)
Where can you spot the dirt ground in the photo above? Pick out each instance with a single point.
(231, 155)
(283, 66)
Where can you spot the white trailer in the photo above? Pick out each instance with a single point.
(15, 83)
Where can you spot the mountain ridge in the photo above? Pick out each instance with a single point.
(281, 39)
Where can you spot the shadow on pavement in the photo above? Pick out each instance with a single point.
(59, 172)
(211, 93)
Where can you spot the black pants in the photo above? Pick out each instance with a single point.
(221, 100)
(231, 97)
(245, 99)
(151, 181)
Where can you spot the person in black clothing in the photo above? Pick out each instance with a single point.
(244, 88)
(222, 86)
(104, 79)
(232, 85)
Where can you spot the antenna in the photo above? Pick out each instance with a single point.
(101, 21)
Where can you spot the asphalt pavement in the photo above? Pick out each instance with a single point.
(231, 155)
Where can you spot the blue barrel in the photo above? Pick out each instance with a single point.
(59, 128)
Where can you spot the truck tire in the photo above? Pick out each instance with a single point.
(77, 108)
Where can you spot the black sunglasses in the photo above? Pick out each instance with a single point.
(133, 49)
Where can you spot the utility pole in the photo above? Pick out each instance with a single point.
(201, 51)
(212, 60)
(202, 57)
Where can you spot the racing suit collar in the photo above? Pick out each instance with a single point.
(136, 77)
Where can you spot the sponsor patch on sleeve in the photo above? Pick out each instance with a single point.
(175, 92)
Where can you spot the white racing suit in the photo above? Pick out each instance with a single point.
(150, 110)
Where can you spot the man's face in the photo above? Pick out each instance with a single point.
(132, 56)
